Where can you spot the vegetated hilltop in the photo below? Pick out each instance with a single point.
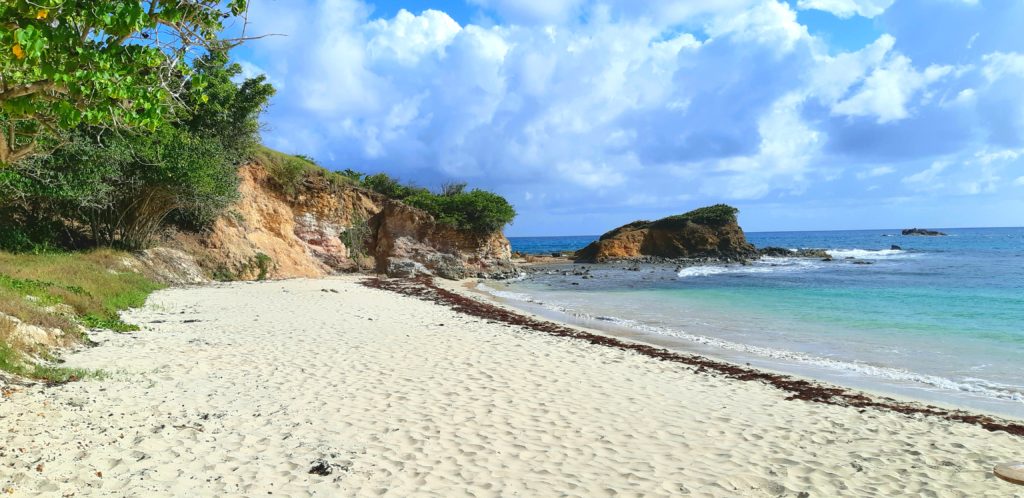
(296, 219)
(707, 232)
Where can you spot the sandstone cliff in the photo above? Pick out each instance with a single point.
(704, 233)
(326, 229)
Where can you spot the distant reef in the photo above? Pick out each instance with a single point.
(707, 232)
(923, 232)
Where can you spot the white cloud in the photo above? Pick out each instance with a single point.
(407, 37)
(1019, 181)
(928, 179)
(848, 8)
(887, 91)
(987, 157)
(973, 38)
(782, 160)
(590, 175)
(876, 172)
(1000, 64)
(768, 23)
(832, 77)
(566, 98)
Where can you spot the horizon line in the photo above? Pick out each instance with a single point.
(786, 231)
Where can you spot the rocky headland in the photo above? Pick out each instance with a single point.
(707, 233)
(324, 229)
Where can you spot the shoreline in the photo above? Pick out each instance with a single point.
(908, 352)
(326, 387)
(799, 387)
(684, 346)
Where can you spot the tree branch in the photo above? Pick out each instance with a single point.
(28, 89)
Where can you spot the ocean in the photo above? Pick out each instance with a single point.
(940, 319)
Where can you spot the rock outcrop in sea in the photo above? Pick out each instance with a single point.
(922, 231)
(709, 232)
(327, 229)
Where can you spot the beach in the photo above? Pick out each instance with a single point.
(329, 388)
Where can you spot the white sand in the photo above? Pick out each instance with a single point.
(276, 375)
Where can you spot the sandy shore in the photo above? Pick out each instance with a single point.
(240, 389)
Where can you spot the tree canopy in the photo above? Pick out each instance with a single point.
(107, 63)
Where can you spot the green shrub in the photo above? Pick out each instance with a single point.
(355, 236)
(263, 263)
(124, 188)
(384, 184)
(716, 215)
(121, 189)
(478, 211)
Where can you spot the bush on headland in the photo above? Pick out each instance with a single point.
(716, 215)
(477, 211)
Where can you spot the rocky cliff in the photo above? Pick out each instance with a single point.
(704, 233)
(325, 229)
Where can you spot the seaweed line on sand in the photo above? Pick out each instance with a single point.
(798, 389)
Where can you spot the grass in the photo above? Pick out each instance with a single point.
(16, 358)
(63, 291)
(291, 172)
(88, 282)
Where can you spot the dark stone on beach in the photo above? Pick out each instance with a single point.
(556, 255)
(321, 467)
(896, 248)
(922, 231)
(862, 262)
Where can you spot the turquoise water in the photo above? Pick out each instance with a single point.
(941, 318)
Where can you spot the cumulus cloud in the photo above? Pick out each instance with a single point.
(567, 101)
(848, 8)
(888, 90)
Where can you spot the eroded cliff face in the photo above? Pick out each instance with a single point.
(408, 241)
(325, 230)
(669, 238)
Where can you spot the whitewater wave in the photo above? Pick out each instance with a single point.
(973, 386)
(867, 253)
(764, 265)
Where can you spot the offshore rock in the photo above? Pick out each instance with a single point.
(674, 237)
(922, 231)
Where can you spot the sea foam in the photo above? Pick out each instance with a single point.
(867, 253)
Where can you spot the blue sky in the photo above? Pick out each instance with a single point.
(806, 114)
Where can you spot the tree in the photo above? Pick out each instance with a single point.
(99, 62)
(120, 188)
